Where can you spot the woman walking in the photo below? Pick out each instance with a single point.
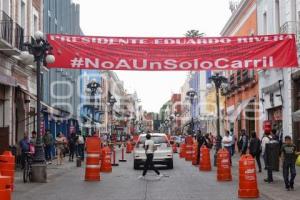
(60, 147)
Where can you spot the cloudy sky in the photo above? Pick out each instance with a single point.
(165, 18)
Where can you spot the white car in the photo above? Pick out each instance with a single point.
(162, 155)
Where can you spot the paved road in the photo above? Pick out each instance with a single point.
(184, 182)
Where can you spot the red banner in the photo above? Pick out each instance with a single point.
(171, 54)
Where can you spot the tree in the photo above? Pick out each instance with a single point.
(194, 33)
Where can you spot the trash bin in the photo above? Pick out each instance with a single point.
(272, 153)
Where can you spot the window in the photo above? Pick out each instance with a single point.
(23, 14)
(277, 16)
(265, 23)
(6, 6)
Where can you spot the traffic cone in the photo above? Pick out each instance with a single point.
(223, 165)
(182, 151)
(205, 164)
(106, 160)
(247, 178)
(195, 154)
(123, 155)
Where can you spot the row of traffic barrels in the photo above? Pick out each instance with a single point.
(247, 170)
(97, 160)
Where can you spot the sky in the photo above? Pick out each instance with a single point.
(152, 18)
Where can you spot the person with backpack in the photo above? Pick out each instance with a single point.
(255, 149)
(266, 139)
(243, 142)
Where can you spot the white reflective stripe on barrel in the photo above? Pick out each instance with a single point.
(92, 155)
(93, 166)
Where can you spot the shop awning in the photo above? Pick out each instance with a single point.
(238, 109)
(49, 109)
(296, 116)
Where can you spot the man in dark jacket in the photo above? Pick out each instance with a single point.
(243, 142)
(255, 148)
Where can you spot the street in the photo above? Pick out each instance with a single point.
(184, 182)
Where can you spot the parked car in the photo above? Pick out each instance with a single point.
(163, 154)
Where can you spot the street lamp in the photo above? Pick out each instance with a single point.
(218, 81)
(191, 94)
(93, 86)
(112, 101)
(39, 51)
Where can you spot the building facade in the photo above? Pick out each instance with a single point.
(242, 94)
(18, 20)
(279, 88)
(61, 87)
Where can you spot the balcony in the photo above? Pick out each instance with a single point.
(292, 27)
(11, 35)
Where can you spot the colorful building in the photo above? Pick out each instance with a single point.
(242, 94)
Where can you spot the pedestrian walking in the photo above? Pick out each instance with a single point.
(227, 143)
(243, 142)
(200, 140)
(149, 151)
(72, 146)
(24, 146)
(60, 147)
(288, 152)
(48, 143)
(255, 149)
(266, 139)
(80, 145)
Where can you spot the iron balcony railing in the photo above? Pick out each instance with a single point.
(10, 31)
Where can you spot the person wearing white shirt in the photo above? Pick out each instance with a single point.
(149, 151)
(227, 143)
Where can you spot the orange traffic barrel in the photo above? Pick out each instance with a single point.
(5, 188)
(93, 144)
(205, 164)
(7, 166)
(182, 150)
(189, 152)
(106, 160)
(128, 147)
(92, 169)
(223, 165)
(195, 154)
(247, 178)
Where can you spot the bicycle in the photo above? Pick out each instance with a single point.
(27, 171)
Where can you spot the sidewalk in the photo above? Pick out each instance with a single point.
(270, 191)
(53, 170)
